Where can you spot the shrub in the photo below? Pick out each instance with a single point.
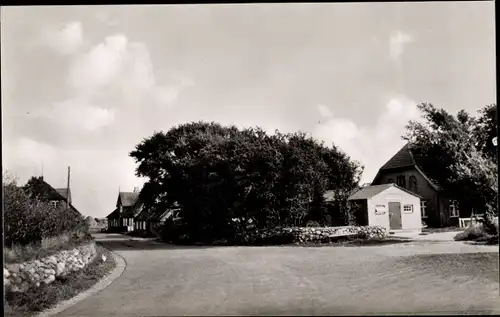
(474, 232)
(312, 223)
(490, 225)
(30, 220)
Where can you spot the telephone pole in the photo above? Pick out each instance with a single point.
(67, 189)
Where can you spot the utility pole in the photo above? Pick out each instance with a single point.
(67, 189)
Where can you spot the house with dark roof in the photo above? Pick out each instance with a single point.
(57, 197)
(127, 208)
(149, 221)
(388, 206)
(437, 209)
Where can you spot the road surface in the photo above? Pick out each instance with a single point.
(162, 280)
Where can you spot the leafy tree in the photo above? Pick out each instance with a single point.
(223, 178)
(485, 130)
(36, 188)
(445, 147)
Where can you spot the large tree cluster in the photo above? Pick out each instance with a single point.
(458, 152)
(224, 178)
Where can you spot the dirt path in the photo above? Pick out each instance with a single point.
(166, 280)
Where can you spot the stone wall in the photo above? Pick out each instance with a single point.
(317, 234)
(20, 277)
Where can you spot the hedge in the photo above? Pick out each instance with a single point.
(30, 220)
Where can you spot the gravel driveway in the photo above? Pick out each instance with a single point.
(404, 278)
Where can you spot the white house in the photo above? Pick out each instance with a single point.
(389, 206)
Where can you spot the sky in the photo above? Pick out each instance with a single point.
(82, 85)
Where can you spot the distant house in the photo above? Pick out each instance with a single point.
(149, 221)
(128, 207)
(437, 210)
(388, 206)
(57, 197)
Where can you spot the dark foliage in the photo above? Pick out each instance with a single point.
(28, 218)
(457, 152)
(225, 179)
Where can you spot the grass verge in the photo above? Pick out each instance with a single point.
(356, 242)
(47, 247)
(478, 233)
(63, 288)
(446, 229)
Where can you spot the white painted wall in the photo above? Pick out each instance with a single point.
(410, 221)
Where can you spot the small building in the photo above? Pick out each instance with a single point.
(438, 210)
(388, 206)
(149, 221)
(128, 207)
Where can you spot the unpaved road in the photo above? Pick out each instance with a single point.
(164, 280)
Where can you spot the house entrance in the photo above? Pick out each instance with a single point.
(395, 216)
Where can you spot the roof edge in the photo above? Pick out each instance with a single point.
(433, 185)
(388, 186)
(407, 190)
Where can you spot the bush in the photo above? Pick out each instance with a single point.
(29, 220)
(474, 232)
(312, 223)
(490, 225)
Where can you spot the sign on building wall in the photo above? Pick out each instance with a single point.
(380, 209)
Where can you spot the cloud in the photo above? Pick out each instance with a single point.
(105, 18)
(325, 111)
(398, 42)
(113, 74)
(109, 81)
(29, 152)
(101, 65)
(373, 144)
(93, 192)
(74, 113)
(126, 69)
(67, 40)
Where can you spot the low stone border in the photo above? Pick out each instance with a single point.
(121, 264)
(312, 234)
(19, 277)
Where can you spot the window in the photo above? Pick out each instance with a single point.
(54, 203)
(454, 211)
(390, 181)
(401, 181)
(408, 209)
(423, 208)
(413, 183)
(124, 222)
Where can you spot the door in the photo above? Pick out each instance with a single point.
(395, 216)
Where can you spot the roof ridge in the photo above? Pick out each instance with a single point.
(411, 153)
(432, 182)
